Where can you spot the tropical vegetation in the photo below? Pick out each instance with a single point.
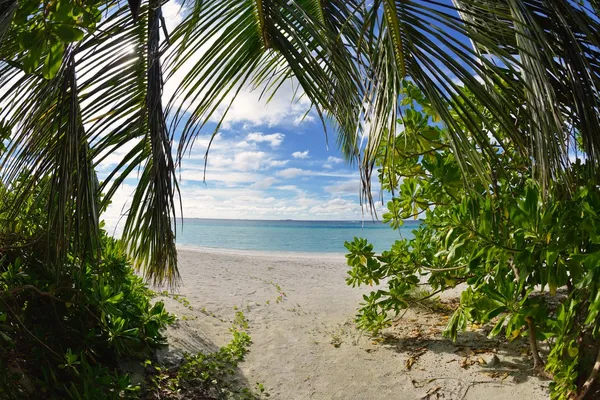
(67, 330)
(511, 89)
(82, 80)
(526, 261)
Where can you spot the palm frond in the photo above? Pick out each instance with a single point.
(148, 229)
(532, 64)
(236, 44)
(122, 79)
(113, 80)
(50, 141)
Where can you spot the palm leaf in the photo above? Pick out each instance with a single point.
(532, 64)
(148, 229)
(124, 108)
(117, 95)
(263, 43)
(51, 141)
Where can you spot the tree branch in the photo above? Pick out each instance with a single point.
(537, 361)
(9, 293)
(590, 380)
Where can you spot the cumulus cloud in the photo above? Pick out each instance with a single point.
(173, 14)
(274, 139)
(219, 176)
(259, 200)
(294, 172)
(248, 160)
(291, 172)
(277, 163)
(250, 202)
(250, 108)
(301, 155)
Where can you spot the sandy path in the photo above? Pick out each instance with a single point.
(306, 346)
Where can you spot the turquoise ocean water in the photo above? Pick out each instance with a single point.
(294, 236)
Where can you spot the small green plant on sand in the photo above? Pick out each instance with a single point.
(208, 375)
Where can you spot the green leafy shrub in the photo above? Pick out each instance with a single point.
(63, 329)
(528, 256)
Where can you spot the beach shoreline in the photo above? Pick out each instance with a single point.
(306, 346)
(260, 253)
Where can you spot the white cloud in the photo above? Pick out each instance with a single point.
(351, 187)
(243, 144)
(250, 108)
(277, 163)
(254, 201)
(173, 13)
(331, 161)
(291, 172)
(274, 139)
(248, 160)
(221, 176)
(336, 208)
(293, 188)
(294, 172)
(264, 183)
(301, 155)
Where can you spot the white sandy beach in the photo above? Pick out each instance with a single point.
(307, 347)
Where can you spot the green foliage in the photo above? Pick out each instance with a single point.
(41, 30)
(529, 260)
(208, 375)
(63, 331)
(83, 81)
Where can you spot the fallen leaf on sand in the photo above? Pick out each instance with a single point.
(496, 375)
(468, 361)
(465, 363)
(414, 357)
(483, 351)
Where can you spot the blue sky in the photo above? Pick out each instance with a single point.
(266, 163)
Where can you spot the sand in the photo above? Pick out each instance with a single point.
(306, 345)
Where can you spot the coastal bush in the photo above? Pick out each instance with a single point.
(65, 340)
(64, 328)
(527, 257)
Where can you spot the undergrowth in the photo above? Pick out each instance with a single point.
(62, 335)
(207, 375)
(66, 327)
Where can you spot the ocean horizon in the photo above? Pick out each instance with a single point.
(306, 236)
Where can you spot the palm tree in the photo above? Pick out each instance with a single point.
(71, 97)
